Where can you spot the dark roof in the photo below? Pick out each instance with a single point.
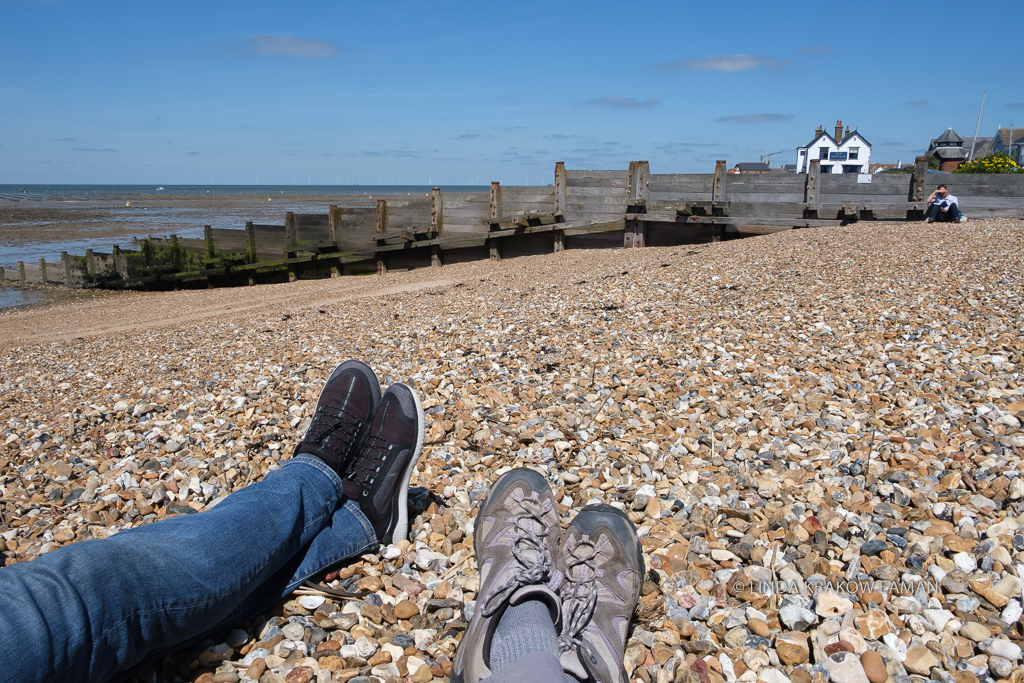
(982, 149)
(949, 136)
(753, 166)
(823, 135)
(852, 133)
(949, 153)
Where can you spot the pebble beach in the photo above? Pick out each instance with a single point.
(817, 434)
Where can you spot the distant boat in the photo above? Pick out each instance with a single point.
(159, 188)
(128, 204)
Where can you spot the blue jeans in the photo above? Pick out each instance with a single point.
(950, 215)
(93, 609)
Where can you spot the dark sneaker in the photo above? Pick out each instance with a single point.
(343, 413)
(604, 567)
(515, 540)
(379, 478)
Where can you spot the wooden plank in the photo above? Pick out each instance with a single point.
(560, 188)
(718, 189)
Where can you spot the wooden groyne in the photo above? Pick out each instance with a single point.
(580, 209)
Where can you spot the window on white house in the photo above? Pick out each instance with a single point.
(854, 152)
(823, 152)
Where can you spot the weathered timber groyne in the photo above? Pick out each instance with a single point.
(580, 209)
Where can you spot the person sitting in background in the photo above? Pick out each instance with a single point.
(943, 206)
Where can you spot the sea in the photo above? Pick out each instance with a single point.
(40, 221)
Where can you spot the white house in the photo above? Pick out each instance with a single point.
(849, 153)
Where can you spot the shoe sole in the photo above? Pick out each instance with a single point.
(401, 527)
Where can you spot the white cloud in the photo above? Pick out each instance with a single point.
(286, 46)
(725, 63)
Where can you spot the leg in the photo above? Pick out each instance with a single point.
(933, 212)
(950, 214)
(85, 612)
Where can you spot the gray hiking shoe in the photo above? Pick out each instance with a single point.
(603, 565)
(515, 541)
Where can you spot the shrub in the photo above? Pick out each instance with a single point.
(998, 162)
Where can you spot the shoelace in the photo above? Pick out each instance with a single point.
(530, 552)
(330, 419)
(579, 604)
(369, 462)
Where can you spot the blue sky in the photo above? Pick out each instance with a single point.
(470, 92)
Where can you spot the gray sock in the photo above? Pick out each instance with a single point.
(524, 628)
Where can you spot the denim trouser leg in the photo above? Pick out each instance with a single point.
(89, 610)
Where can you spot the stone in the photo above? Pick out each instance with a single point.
(845, 667)
(920, 660)
(1000, 667)
(406, 609)
(831, 604)
(873, 548)
(796, 618)
(975, 631)
(792, 648)
(873, 624)
(874, 667)
(1001, 648)
(964, 562)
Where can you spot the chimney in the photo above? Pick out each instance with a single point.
(839, 131)
(847, 133)
(818, 131)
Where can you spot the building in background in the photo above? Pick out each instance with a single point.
(841, 153)
(948, 150)
(750, 167)
(1009, 141)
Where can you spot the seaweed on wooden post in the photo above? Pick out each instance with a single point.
(333, 223)
(175, 251)
(917, 180)
(559, 188)
(250, 242)
(382, 216)
(436, 211)
(65, 262)
(211, 249)
(120, 262)
(90, 262)
(291, 236)
(42, 272)
(495, 201)
(718, 189)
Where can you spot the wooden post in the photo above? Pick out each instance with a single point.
(90, 262)
(250, 242)
(495, 201)
(21, 272)
(495, 248)
(435, 255)
(175, 251)
(716, 233)
(639, 171)
(813, 179)
(120, 262)
(559, 188)
(917, 180)
(718, 190)
(211, 249)
(635, 235)
(382, 263)
(147, 254)
(436, 211)
(559, 240)
(65, 261)
(2, 276)
(291, 236)
(333, 223)
(42, 272)
(382, 216)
